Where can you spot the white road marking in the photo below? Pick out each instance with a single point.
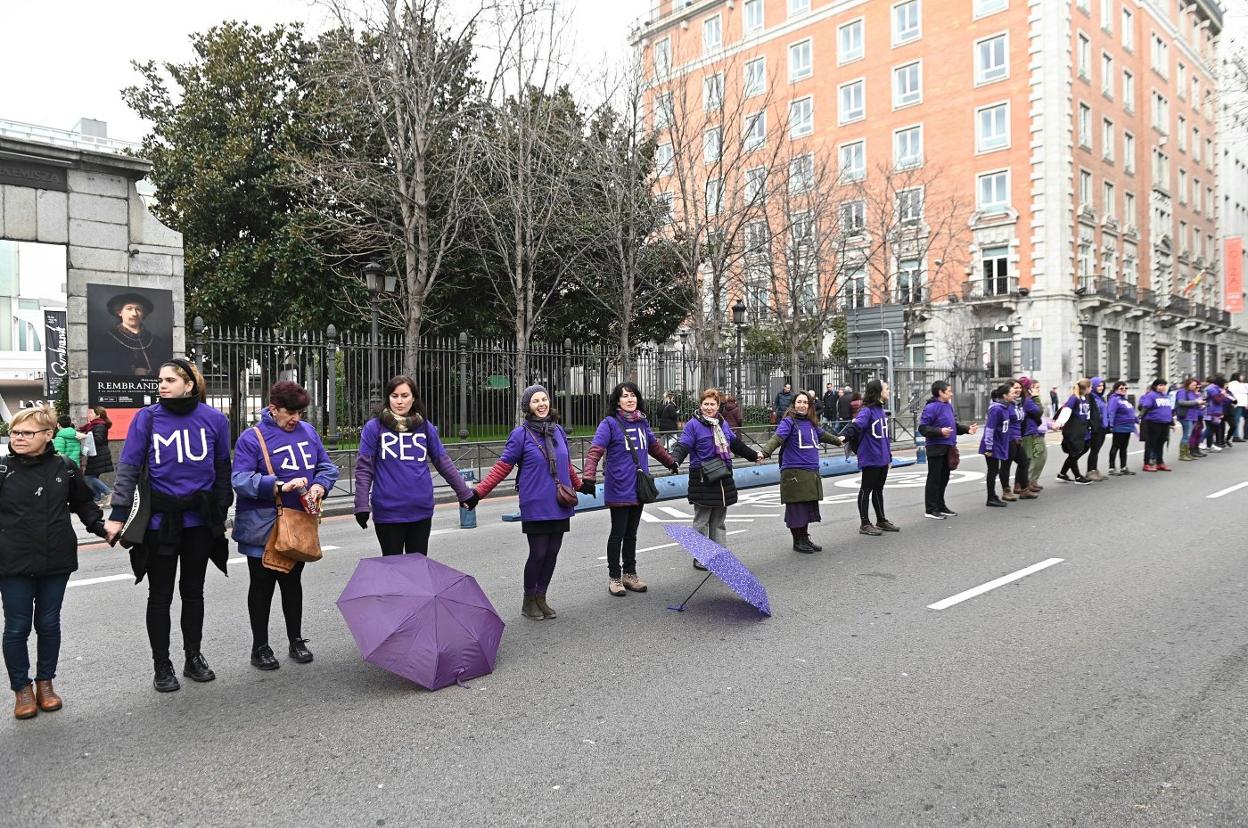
(675, 512)
(102, 580)
(1002, 581)
(1226, 491)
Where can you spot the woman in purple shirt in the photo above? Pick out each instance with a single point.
(995, 443)
(1189, 407)
(393, 483)
(624, 436)
(801, 487)
(940, 428)
(1074, 421)
(869, 430)
(545, 480)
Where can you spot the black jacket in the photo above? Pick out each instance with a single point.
(668, 415)
(719, 494)
(102, 462)
(36, 497)
(830, 399)
(844, 407)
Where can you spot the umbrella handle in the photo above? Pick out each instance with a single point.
(681, 608)
(460, 683)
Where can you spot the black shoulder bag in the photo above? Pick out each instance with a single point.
(135, 527)
(647, 491)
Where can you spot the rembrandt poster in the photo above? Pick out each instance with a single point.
(129, 335)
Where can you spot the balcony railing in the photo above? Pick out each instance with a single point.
(1107, 288)
(1127, 292)
(1148, 297)
(989, 288)
(1179, 305)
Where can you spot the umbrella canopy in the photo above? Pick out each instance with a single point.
(421, 620)
(723, 564)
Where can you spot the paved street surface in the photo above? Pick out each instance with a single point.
(1107, 689)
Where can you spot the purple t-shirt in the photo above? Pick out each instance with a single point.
(699, 441)
(1080, 409)
(1120, 415)
(298, 453)
(619, 483)
(402, 486)
(533, 481)
(799, 444)
(939, 414)
(1214, 399)
(1032, 415)
(182, 453)
(995, 441)
(874, 448)
(1016, 420)
(1190, 413)
(1157, 407)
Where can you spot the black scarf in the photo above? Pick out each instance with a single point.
(179, 405)
(544, 427)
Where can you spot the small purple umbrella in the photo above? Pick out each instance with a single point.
(421, 620)
(719, 561)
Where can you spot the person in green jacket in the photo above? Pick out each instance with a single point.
(67, 442)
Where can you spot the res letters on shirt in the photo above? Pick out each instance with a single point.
(408, 445)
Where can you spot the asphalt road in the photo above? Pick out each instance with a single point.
(1107, 689)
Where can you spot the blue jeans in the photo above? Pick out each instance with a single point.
(32, 601)
(98, 487)
(1187, 429)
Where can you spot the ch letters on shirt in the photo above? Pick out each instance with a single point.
(406, 446)
(290, 462)
(180, 439)
(878, 427)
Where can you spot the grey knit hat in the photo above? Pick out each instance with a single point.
(526, 396)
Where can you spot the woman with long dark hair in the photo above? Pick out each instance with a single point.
(1121, 420)
(1189, 407)
(995, 444)
(393, 483)
(185, 446)
(1016, 457)
(1074, 421)
(1215, 410)
(869, 433)
(546, 483)
(940, 428)
(798, 437)
(1096, 424)
(624, 436)
(1158, 420)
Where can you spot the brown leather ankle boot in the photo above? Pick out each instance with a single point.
(46, 697)
(546, 610)
(25, 708)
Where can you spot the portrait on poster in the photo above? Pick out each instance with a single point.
(129, 335)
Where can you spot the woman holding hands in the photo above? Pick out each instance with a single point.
(798, 437)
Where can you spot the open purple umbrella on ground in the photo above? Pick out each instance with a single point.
(721, 563)
(421, 620)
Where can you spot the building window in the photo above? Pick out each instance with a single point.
(993, 191)
(853, 216)
(712, 33)
(663, 110)
(856, 294)
(663, 159)
(1180, 80)
(909, 282)
(1128, 29)
(799, 60)
(1113, 354)
(916, 351)
(1091, 343)
(984, 7)
(756, 185)
(907, 85)
(1182, 186)
(713, 196)
(1000, 357)
(1133, 357)
(910, 205)
(1029, 353)
(755, 77)
(756, 241)
(1109, 202)
(1107, 140)
(798, 7)
(755, 131)
(853, 101)
(996, 266)
(753, 16)
(712, 144)
(905, 21)
(1128, 152)
(662, 56)
(802, 117)
(1159, 56)
(1196, 144)
(854, 161)
(992, 127)
(1085, 126)
(908, 147)
(1128, 210)
(1107, 15)
(990, 59)
(802, 174)
(1128, 90)
(1107, 74)
(1083, 57)
(849, 41)
(713, 92)
(1085, 189)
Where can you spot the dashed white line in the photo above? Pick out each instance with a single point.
(1002, 581)
(1226, 491)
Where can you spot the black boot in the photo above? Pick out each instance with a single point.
(299, 651)
(165, 681)
(801, 543)
(262, 658)
(812, 544)
(196, 668)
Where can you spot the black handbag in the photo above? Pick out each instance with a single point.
(647, 491)
(135, 527)
(714, 470)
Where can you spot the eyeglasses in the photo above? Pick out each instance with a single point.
(26, 435)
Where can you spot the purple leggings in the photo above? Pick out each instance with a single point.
(540, 568)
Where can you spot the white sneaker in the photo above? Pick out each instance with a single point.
(1213, 448)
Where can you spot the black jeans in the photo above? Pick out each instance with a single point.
(1155, 435)
(161, 572)
(871, 490)
(1118, 449)
(1022, 464)
(400, 538)
(937, 482)
(1094, 450)
(623, 539)
(997, 470)
(32, 601)
(1074, 448)
(260, 599)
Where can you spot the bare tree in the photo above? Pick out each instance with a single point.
(397, 75)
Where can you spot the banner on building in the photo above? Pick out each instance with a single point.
(1233, 266)
(55, 351)
(129, 336)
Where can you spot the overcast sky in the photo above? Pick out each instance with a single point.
(69, 59)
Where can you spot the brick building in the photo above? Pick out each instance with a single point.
(1078, 140)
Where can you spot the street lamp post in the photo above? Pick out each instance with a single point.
(684, 377)
(377, 282)
(738, 320)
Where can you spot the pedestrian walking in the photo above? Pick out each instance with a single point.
(282, 457)
(784, 399)
(1158, 421)
(995, 443)
(1096, 423)
(625, 438)
(393, 482)
(844, 408)
(798, 438)
(868, 435)
(830, 400)
(1122, 422)
(940, 429)
(38, 490)
(547, 485)
(710, 443)
(1238, 389)
(1055, 404)
(1189, 406)
(181, 447)
(68, 440)
(731, 412)
(669, 414)
(1073, 420)
(1034, 447)
(100, 463)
